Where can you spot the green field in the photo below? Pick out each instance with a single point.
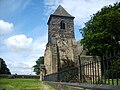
(114, 81)
(24, 84)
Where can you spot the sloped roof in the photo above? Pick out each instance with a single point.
(60, 11)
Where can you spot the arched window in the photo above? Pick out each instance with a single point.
(62, 25)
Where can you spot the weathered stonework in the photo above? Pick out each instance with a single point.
(61, 40)
(62, 44)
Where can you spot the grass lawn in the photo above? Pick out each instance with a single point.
(24, 84)
(114, 81)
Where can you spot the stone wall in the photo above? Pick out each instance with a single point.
(56, 53)
(77, 86)
(54, 30)
(66, 49)
(48, 59)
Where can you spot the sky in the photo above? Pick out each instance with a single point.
(24, 30)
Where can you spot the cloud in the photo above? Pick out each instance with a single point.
(23, 51)
(80, 9)
(21, 64)
(22, 44)
(19, 43)
(20, 67)
(5, 27)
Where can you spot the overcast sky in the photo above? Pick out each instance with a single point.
(23, 27)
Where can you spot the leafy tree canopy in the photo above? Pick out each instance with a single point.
(102, 32)
(37, 66)
(3, 67)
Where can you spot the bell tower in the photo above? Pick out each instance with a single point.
(60, 25)
(61, 40)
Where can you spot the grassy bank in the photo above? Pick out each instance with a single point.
(24, 84)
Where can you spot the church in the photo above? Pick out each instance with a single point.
(61, 41)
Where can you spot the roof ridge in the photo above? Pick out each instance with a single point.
(60, 11)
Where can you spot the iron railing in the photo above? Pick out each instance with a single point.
(103, 71)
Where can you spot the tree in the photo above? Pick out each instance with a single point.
(3, 67)
(37, 66)
(101, 36)
(102, 32)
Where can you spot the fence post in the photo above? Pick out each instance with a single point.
(118, 54)
(79, 70)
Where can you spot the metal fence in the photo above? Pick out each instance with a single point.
(70, 74)
(103, 71)
(110, 66)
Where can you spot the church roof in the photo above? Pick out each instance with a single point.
(60, 11)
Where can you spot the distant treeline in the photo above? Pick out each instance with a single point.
(19, 76)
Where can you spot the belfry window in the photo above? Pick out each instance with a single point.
(62, 25)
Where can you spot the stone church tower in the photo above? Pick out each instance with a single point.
(61, 40)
